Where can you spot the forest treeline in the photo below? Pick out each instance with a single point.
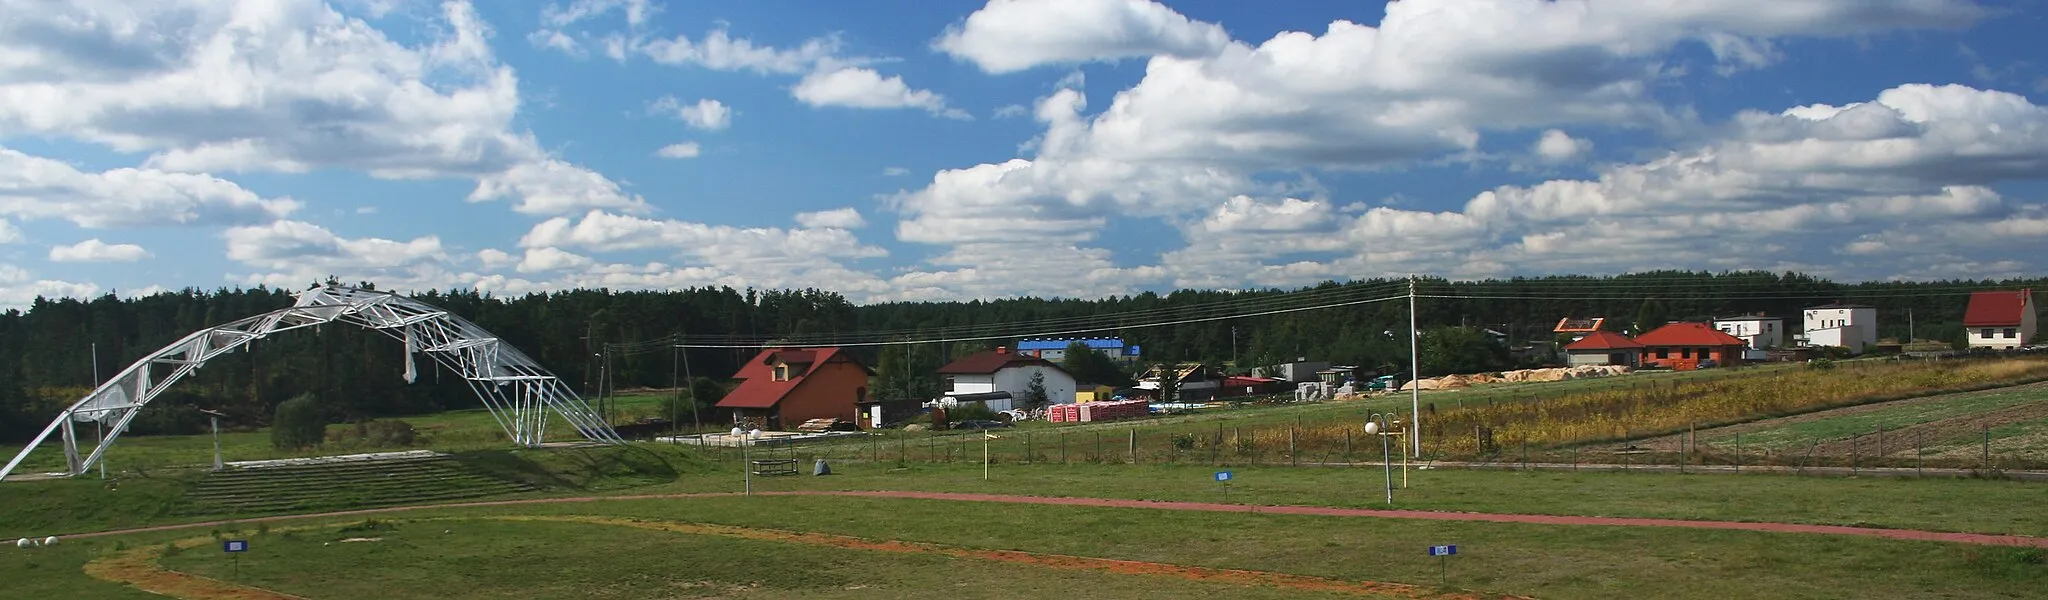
(49, 353)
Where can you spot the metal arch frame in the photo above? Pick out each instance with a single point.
(488, 364)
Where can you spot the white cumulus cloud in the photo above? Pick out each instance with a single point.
(680, 150)
(1014, 35)
(706, 114)
(272, 85)
(94, 250)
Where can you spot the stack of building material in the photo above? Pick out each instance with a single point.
(1097, 411)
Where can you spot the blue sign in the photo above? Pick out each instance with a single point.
(235, 546)
(1442, 550)
(1223, 476)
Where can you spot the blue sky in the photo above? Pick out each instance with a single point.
(949, 150)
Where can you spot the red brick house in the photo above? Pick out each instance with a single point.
(783, 387)
(1681, 346)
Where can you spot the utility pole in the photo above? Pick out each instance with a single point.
(674, 382)
(1414, 374)
(99, 434)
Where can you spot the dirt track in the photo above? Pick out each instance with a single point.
(1897, 534)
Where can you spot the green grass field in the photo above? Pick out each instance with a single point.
(478, 552)
(470, 553)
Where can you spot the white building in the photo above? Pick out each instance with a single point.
(1756, 330)
(1001, 379)
(1852, 326)
(2000, 320)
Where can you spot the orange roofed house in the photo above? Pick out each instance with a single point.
(1604, 348)
(783, 387)
(1682, 346)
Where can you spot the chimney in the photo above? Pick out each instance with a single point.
(1002, 349)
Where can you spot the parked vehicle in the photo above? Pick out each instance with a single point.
(1385, 382)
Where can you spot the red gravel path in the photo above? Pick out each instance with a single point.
(1897, 534)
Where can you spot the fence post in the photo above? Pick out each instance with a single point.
(1920, 453)
(1987, 447)
(1134, 445)
(1255, 446)
(1030, 458)
(1880, 443)
(1293, 456)
(1525, 452)
(1738, 452)
(1063, 447)
(1098, 446)
(1854, 464)
(1347, 445)
(1216, 445)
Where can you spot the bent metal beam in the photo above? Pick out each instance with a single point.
(519, 393)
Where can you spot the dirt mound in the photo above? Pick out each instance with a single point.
(1521, 376)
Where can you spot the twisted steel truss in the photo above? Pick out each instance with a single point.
(519, 393)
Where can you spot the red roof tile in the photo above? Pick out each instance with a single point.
(2002, 308)
(1688, 334)
(758, 387)
(1603, 340)
(989, 361)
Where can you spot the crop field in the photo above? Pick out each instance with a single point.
(2005, 426)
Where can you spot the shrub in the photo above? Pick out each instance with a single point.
(1184, 441)
(1820, 364)
(298, 424)
(973, 411)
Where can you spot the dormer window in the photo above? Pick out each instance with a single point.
(782, 372)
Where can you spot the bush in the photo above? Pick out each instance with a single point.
(1820, 364)
(974, 411)
(298, 424)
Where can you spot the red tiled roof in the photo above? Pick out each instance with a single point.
(1688, 334)
(758, 387)
(1997, 309)
(989, 361)
(1603, 340)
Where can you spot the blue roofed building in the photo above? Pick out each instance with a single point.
(1055, 349)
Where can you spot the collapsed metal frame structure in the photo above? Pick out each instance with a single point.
(519, 393)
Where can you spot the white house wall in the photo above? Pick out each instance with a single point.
(973, 384)
(1852, 328)
(1758, 333)
(1059, 386)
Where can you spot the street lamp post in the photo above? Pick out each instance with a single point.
(1376, 424)
(747, 438)
(1381, 425)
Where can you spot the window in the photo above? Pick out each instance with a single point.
(1685, 353)
(1663, 353)
(1986, 333)
(1769, 326)
(2011, 333)
(782, 372)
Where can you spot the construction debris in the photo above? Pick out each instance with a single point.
(1550, 374)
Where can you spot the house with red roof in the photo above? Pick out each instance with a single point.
(783, 387)
(2000, 320)
(1001, 379)
(1604, 348)
(1684, 346)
